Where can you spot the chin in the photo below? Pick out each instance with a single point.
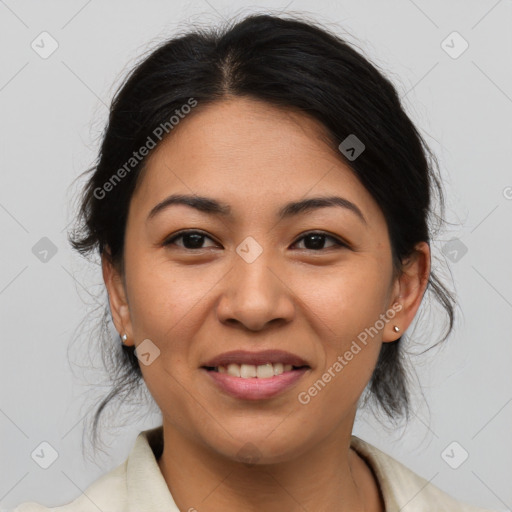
(256, 445)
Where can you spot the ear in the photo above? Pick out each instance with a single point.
(117, 297)
(408, 290)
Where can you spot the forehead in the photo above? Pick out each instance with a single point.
(251, 155)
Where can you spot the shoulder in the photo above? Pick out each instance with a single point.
(403, 489)
(136, 484)
(107, 493)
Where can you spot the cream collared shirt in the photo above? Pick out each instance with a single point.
(137, 485)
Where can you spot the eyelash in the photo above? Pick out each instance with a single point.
(181, 234)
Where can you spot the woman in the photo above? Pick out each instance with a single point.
(261, 206)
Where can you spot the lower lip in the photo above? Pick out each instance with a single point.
(254, 388)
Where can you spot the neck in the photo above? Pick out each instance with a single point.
(327, 477)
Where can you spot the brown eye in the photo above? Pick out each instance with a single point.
(191, 240)
(315, 241)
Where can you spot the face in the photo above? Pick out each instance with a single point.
(305, 285)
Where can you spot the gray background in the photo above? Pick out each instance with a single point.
(52, 113)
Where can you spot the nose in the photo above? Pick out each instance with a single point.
(256, 294)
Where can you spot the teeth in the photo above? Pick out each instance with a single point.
(234, 370)
(278, 368)
(264, 371)
(248, 371)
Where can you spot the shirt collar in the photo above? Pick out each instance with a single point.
(147, 489)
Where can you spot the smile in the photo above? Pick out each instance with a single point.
(247, 371)
(250, 382)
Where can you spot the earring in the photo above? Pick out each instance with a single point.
(396, 328)
(124, 337)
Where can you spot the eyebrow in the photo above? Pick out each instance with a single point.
(214, 207)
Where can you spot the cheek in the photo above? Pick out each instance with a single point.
(348, 299)
(350, 305)
(169, 306)
(162, 297)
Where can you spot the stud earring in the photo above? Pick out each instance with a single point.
(396, 328)
(124, 337)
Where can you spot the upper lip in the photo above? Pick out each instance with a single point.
(255, 358)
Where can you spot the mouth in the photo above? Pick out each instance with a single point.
(251, 371)
(255, 376)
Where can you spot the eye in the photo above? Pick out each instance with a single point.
(317, 241)
(191, 239)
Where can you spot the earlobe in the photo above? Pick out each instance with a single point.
(393, 328)
(117, 299)
(410, 287)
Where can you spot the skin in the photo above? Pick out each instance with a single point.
(194, 304)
